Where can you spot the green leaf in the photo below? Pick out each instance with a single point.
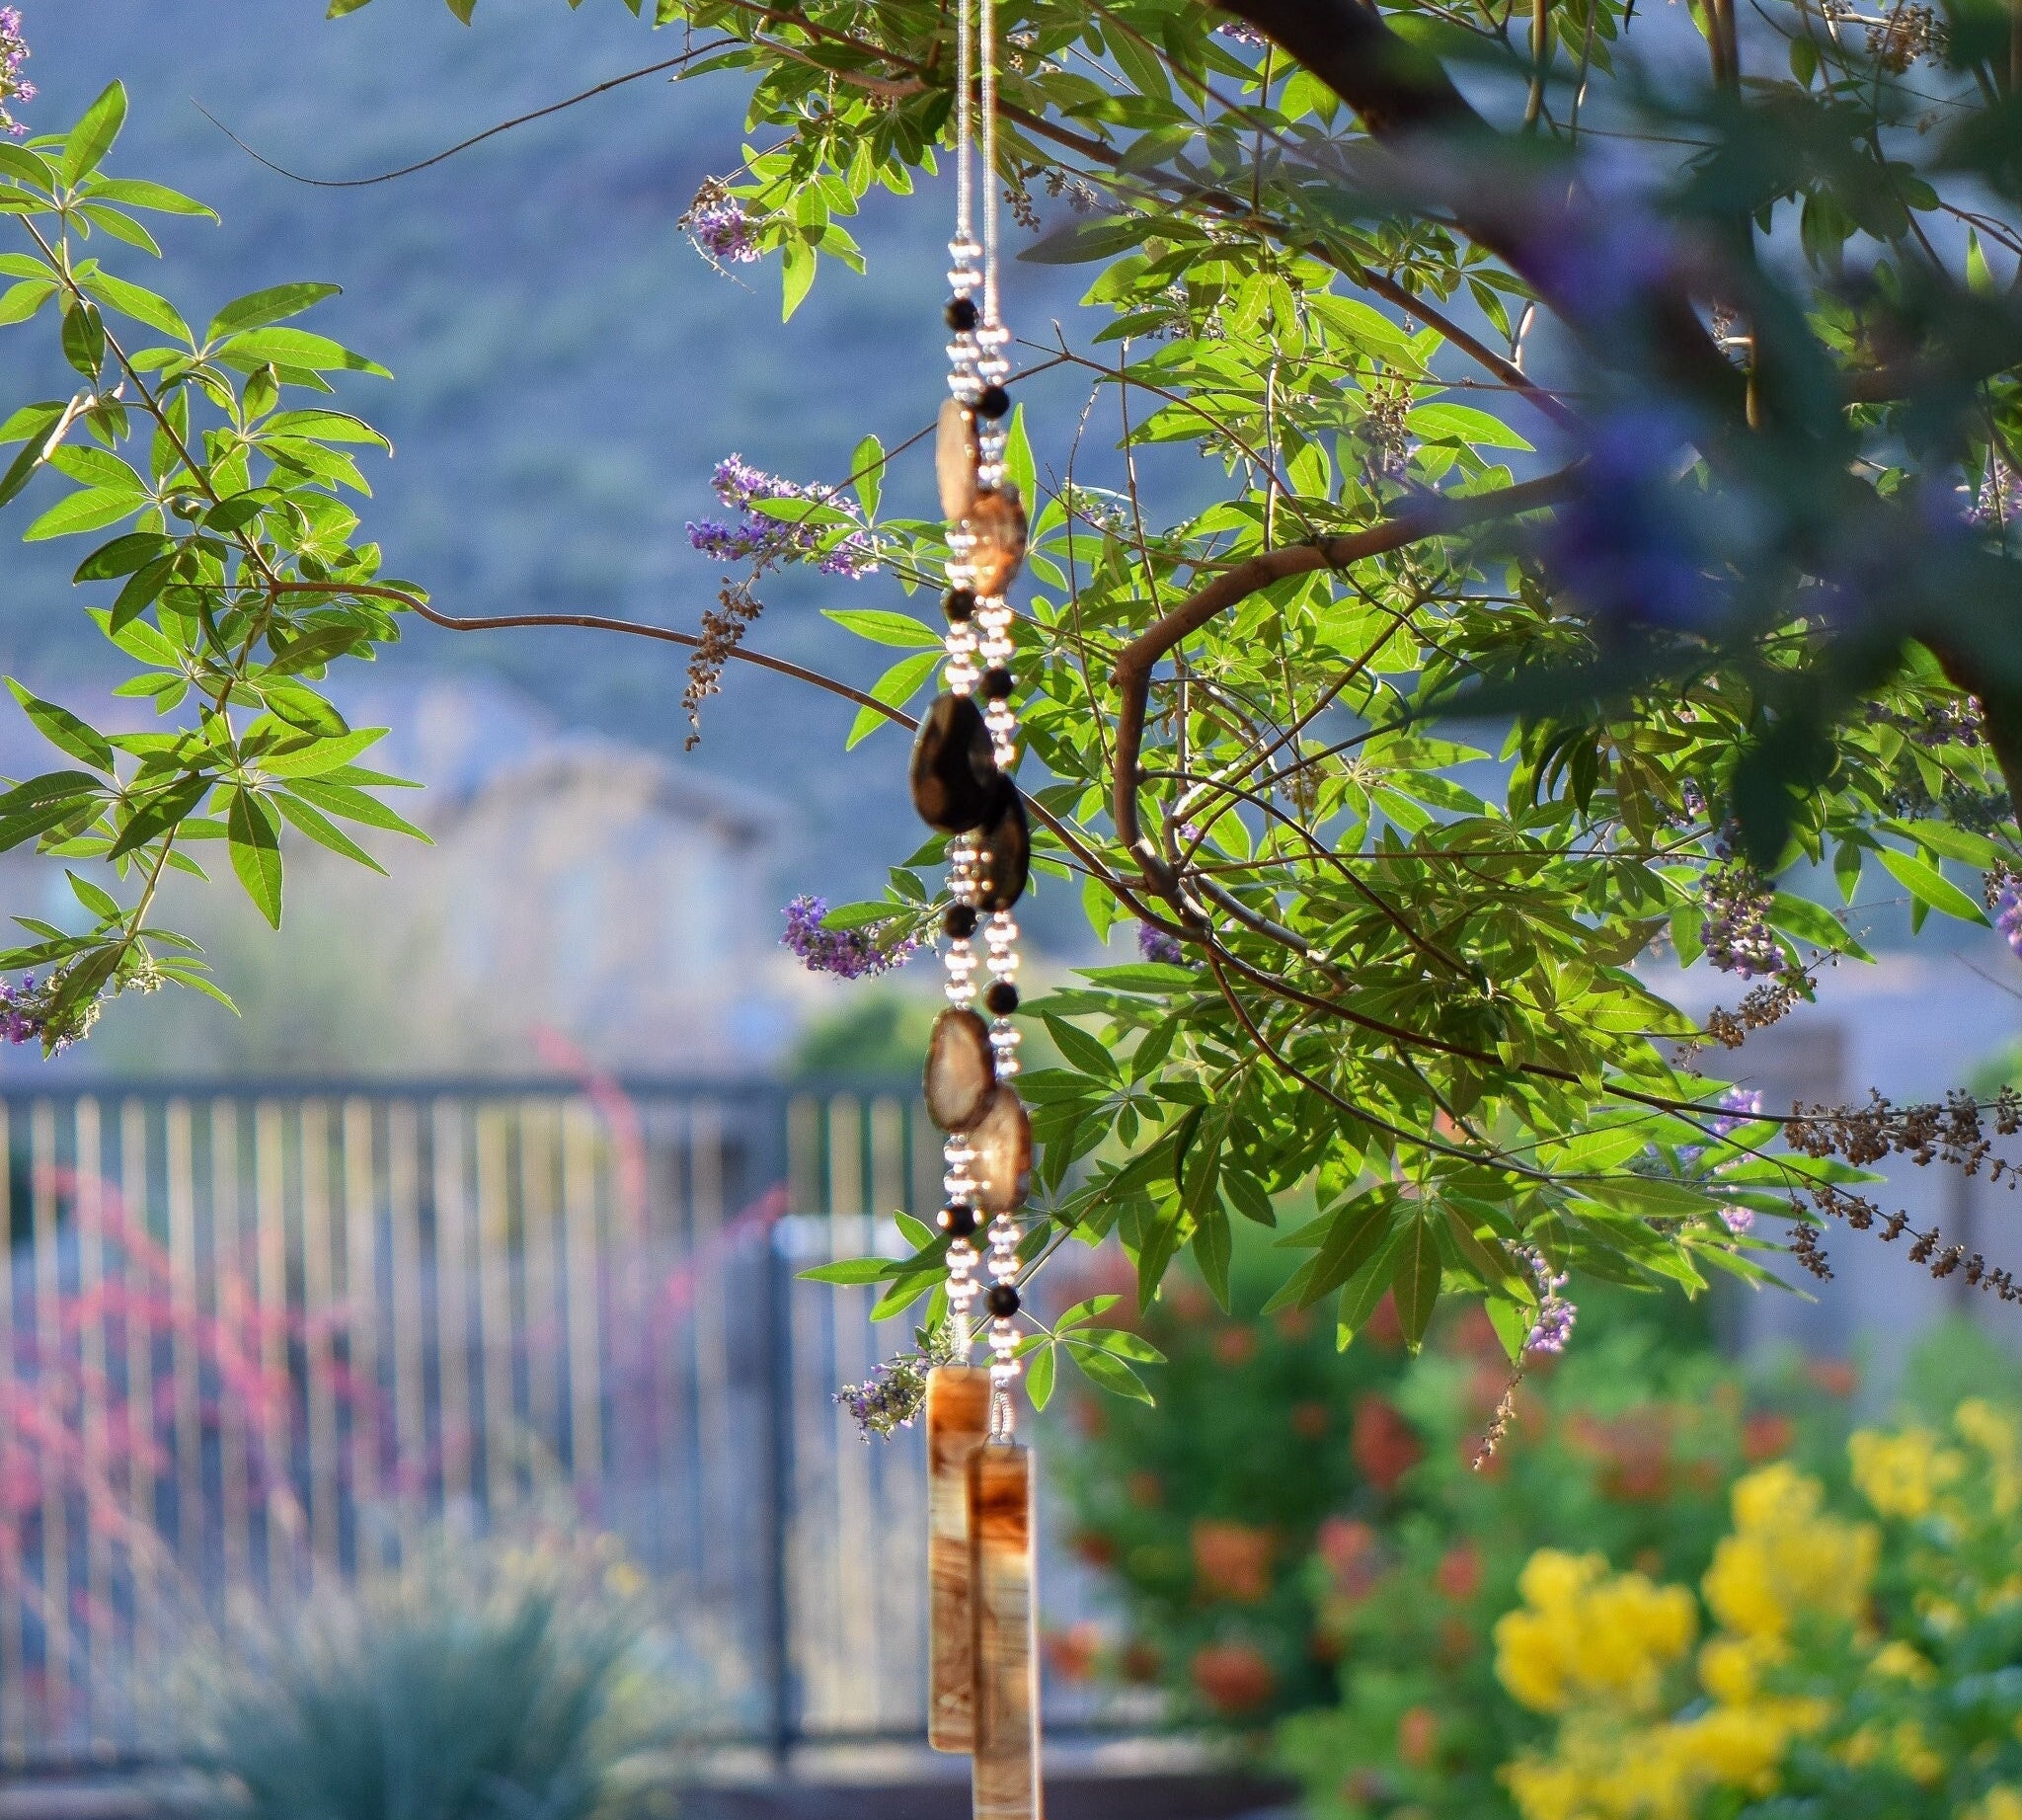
(854, 1271)
(136, 193)
(92, 137)
(255, 836)
(1927, 885)
(309, 757)
(1039, 1376)
(896, 686)
(867, 469)
(1105, 1370)
(91, 509)
(22, 301)
(64, 730)
(294, 348)
(350, 803)
(1213, 1246)
(142, 305)
(1415, 1275)
(324, 833)
(883, 628)
(258, 308)
(1081, 1050)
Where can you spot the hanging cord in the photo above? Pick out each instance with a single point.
(987, 50)
(965, 122)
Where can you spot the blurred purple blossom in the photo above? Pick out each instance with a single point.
(2009, 917)
(25, 1005)
(13, 86)
(764, 540)
(849, 954)
(1156, 945)
(1622, 548)
(1242, 32)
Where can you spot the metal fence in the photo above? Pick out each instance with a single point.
(250, 1340)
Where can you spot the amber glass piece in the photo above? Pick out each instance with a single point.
(1006, 1784)
(961, 1070)
(997, 523)
(958, 1419)
(955, 459)
(1002, 1142)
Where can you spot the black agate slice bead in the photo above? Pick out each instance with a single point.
(955, 779)
(961, 1070)
(1005, 837)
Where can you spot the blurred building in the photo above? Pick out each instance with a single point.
(581, 897)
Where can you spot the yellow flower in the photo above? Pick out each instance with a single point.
(1786, 1558)
(1902, 1475)
(1583, 1634)
(1902, 1661)
(1739, 1746)
(2000, 1802)
(1731, 1667)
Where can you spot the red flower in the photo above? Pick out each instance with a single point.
(1383, 1446)
(1233, 1678)
(1232, 1560)
(1350, 1550)
(1458, 1574)
(1235, 1345)
(1072, 1653)
(1418, 1737)
(1766, 1437)
(1310, 1421)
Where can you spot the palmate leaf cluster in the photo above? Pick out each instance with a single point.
(1650, 407)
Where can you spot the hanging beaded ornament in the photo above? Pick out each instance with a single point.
(984, 1669)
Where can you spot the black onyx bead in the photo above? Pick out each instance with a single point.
(994, 402)
(959, 605)
(958, 1219)
(997, 685)
(1002, 998)
(1002, 1300)
(961, 314)
(958, 922)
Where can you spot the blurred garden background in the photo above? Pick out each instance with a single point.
(408, 1383)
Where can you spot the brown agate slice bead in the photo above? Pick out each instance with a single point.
(955, 455)
(955, 779)
(1001, 1139)
(961, 1071)
(1005, 837)
(997, 523)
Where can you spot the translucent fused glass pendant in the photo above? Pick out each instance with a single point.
(1006, 1783)
(958, 1419)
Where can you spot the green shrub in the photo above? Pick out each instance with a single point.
(484, 1681)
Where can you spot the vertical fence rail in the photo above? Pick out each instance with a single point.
(255, 1344)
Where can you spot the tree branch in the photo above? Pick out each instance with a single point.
(1133, 674)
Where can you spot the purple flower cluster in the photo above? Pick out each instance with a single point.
(896, 1392)
(1555, 1313)
(720, 229)
(849, 954)
(13, 86)
(1998, 503)
(1739, 1106)
(2008, 916)
(757, 538)
(25, 1007)
(1156, 945)
(1735, 933)
(1242, 33)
